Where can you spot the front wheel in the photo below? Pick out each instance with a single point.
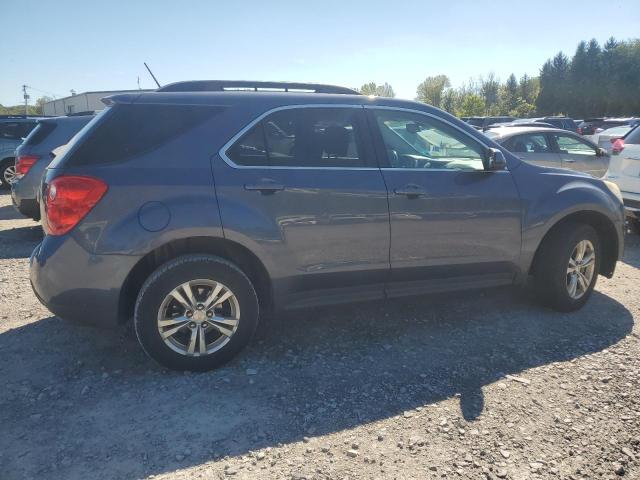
(195, 312)
(567, 266)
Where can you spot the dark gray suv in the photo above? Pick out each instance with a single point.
(35, 153)
(198, 213)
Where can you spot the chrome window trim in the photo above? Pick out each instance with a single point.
(223, 151)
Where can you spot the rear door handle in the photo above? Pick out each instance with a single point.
(411, 191)
(264, 187)
(568, 160)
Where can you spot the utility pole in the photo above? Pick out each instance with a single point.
(26, 100)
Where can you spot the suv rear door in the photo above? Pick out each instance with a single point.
(453, 223)
(534, 147)
(301, 186)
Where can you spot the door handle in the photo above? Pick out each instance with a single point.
(411, 191)
(568, 160)
(266, 188)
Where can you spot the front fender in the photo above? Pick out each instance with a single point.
(552, 196)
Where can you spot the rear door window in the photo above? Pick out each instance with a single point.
(303, 137)
(532, 143)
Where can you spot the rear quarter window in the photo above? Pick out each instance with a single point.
(633, 137)
(128, 131)
(39, 133)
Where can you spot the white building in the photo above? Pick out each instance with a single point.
(81, 102)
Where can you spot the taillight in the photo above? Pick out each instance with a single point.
(618, 145)
(69, 199)
(24, 163)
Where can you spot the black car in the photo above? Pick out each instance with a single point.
(565, 123)
(480, 123)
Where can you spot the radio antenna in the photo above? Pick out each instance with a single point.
(152, 75)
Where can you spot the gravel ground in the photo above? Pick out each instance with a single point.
(474, 385)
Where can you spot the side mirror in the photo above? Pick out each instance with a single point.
(601, 152)
(496, 160)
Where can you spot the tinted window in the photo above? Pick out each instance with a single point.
(39, 133)
(633, 137)
(417, 141)
(311, 137)
(533, 143)
(15, 130)
(131, 130)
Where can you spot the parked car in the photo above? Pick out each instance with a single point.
(588, 125)
(529, 123)
(617, 122)
(553, 148)
(480, 123)
(564, 123)
(35, 153)
(624, 170)
(607, 138)
(198, 214)
(13, 129)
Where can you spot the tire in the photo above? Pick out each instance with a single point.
(551, 278)
(4, 166)
(183, 349)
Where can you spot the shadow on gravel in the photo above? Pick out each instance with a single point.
(632, 250)
(8, 212)
(19, 242)
(86, 402)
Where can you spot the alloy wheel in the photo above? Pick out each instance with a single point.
(198, 317)
(9, 175)
(581, 268)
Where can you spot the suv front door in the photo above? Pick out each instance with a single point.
(301, 187)
(453, 223)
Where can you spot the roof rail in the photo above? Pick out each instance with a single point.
(245, 85)
(21, 116)
(81, 114)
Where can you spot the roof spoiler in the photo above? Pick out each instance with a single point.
(246, 85)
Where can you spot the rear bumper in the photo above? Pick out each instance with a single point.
(76, 285)
(23, 194)
(27, 207)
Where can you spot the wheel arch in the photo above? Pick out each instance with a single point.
(229, 250)
(607, 233)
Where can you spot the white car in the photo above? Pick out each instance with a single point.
(607, 138)
(624, 170)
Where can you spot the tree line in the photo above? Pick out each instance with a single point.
(596, 81)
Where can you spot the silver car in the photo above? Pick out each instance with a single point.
(553, 147)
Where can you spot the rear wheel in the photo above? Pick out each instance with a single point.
(195, 312)
(567, 266)
(7, 173)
